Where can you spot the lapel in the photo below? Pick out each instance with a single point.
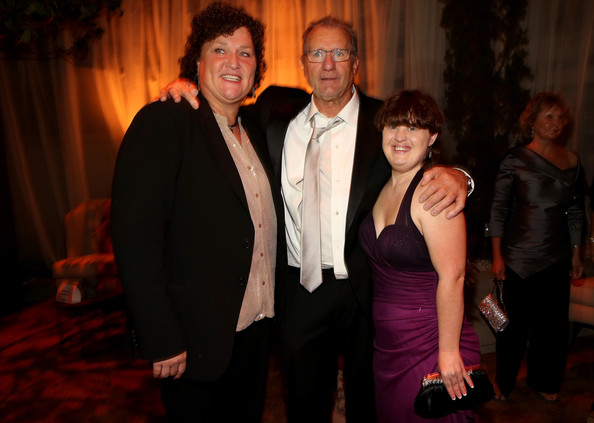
(275, 108)
(367, 147)
(276, 132)
(211, 133)
(275, 135)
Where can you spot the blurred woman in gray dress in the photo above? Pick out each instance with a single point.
(536, 228)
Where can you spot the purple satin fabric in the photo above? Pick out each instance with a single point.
(405, 317)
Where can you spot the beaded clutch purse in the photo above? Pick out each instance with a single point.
(493, 310)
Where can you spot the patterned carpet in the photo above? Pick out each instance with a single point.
(100, 379)
(43, 381)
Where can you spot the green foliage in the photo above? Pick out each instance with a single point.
(32, 29)
(485, 70)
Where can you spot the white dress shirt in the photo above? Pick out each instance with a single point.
(337, 151)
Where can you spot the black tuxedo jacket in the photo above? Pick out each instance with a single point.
(275, 108)
(183, 235)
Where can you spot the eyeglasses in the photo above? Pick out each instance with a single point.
(319, 55)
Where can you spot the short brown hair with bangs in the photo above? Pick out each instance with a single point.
(410, 108)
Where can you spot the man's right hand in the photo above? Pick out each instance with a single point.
(179, 88)
(172, 367)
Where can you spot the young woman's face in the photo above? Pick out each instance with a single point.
(406, 146)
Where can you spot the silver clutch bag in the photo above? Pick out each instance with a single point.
(493, 309)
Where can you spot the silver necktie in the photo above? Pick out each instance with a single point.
(311, 239)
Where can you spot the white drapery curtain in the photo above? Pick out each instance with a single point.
(63, 120)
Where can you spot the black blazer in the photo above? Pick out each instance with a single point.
(183, 235)
(275, 108)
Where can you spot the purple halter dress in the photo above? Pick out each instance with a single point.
(405, 316)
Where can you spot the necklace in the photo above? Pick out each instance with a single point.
(234, 123)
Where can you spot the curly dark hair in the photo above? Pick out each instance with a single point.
(221, 19)
(542, 100)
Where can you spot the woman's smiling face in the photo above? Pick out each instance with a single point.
(226, 69)
(406, 146)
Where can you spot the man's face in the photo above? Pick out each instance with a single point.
(331, 81)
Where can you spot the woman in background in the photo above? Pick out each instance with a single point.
(536, 229)
(417, 267)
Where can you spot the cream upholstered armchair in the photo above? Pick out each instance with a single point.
(89, 268)
(581, 301)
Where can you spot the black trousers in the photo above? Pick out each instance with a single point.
(316, 329)
(237, 396)
(538, 308)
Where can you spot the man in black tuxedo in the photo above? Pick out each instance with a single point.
(334, 319)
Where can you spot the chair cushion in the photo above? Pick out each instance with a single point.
(582, 291)
(89, 266)
(581, 302)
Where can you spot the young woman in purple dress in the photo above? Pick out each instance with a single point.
(418, 266)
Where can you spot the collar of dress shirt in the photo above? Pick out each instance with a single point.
(348, 113)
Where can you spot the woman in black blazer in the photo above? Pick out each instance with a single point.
(194, 223)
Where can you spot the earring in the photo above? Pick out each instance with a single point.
(430, 151)
(253, 92)
(532, 133)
